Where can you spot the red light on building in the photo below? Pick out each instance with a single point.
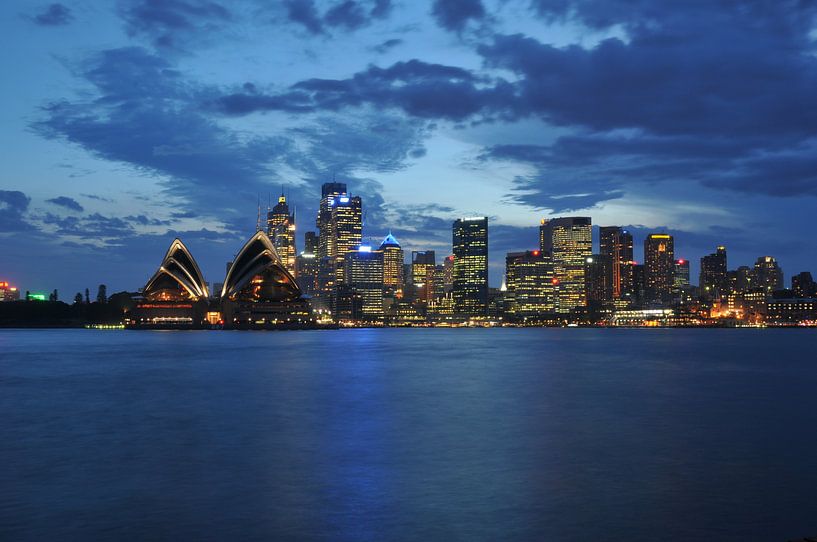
(4, 284)
(555, 282)
(535, 252)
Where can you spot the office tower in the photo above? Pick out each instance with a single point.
(659, 267)
(803, 285)
(569, 241)
(311, 242)
(306, 272)
(680, 276)
(713, 273)
(8, 292)
(617, 244)
(281, 230)
(340, 230)
(363, 275)
(392, 265)
(598, 276)
(439, 282)
(744, 279)
(639, 281)
(422, 274)
(529, 289)
(470, 277)
(448, 274)
(767, 274)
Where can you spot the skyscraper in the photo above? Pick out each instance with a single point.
(530, 292)
(422, 274)
(680, 276)
(599, 279)
(281, 230)
(306, 265)
(803, 285)
(617, 244)
(767, 274)
(659, 267)
(569, 241)
(363, 275)
(470, 277)
(713, 273)
(392, 265)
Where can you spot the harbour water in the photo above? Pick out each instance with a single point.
(409, 434)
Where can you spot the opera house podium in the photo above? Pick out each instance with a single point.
(258, 293)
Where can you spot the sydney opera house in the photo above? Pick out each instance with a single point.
(258, 292)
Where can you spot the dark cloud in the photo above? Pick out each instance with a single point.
(387, 45)
(13, 205)
(171, 23)
(346, 15)
(54, 15)
(454, 14)
(420, 89)
(68, 203)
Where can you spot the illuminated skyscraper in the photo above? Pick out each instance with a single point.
(659, 267)
(281, 229)
(392, 265)
(470, 277)
(363, 275)
(569, 241)
(340, 231)
(530, 292)
(306, 265)
(448, 274)
(617, 244)
(680, 275)
(803, 285)
(767, 274)
(713, 273)
(599, 279)
(422, 274)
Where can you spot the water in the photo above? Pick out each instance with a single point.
(408, 434)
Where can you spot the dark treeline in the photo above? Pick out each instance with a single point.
(59, 314)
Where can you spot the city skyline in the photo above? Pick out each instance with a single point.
(130, 124)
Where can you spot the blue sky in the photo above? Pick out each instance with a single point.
(125, 124)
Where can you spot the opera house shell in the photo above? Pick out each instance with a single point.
(258, 292)
(175, 296)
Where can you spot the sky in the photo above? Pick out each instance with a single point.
(128, 123)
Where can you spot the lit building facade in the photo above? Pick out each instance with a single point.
(422, 274)
(680, 275)
(363, 278)
(569, 241)
(713, 279)
(599, 278)
(803, 285)
(659, 267)
(530, 291)
(470, 273)
(617, 244)
(393, 260)
(8, 292)
(767, 274)
(281, 229)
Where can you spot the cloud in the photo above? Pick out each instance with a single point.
(387, 45)
(68, 203)
(420, 89)
(13, 205)
(347, 15)
(454, 14)
(54, 15)
(170, 24)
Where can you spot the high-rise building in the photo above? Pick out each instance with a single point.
(470, 276)
(281, 229)
(617, 243)
(422, 274)
(8, 292)
(306, 265)
(803, 285)
(363, 275)
(529, 289)
(448, 274)
(713, 279)
(311, 242)
(599, 276)
(767, 274)
(680, 276)
(569, 241)
(340, 231)
(659, 267)
(392, 265)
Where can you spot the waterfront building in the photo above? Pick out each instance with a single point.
(281, 229)
(713, 277)
(422, 274)
(470, 273)
(569, 241)
(659, 267)
(599, 277)
(680, 275)
(176, 296)
(259, 291)
(363, 279)
(306, 272)
(768, 274)
(803, 285)
(8, 292)
(392, 265)
(617, 244)
(448, 274)
(792, 311)
(529, 288)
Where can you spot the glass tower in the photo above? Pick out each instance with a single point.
(569, 241)
(470, 273)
